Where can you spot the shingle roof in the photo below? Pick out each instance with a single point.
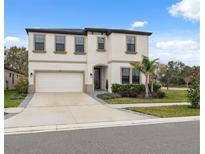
(85, 30)
(11, 69)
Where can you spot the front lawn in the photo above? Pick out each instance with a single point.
(8, 102)
(168, 111)
(171, 96)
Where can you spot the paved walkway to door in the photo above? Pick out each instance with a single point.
(47, 109)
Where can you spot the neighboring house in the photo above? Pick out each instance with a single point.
(11, 77)
(84, 60)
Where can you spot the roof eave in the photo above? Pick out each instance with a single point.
(84, 32)
(53, 31)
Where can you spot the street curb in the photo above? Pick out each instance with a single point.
(13, 110)
(118, 106)
(51, 128)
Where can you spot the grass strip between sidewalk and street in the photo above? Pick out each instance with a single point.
(168, 111)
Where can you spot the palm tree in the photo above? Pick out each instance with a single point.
(153, 74)
(147, 67)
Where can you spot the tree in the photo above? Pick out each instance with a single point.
(186, 74)
(162, 74)
(147, 67)
(193, 94)
(17, 58)
(175, 73)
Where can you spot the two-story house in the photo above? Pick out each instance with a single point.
(84, 60)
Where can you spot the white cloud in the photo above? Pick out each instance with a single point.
(137, 24)
(12, 38)
(177, 45)
(14, 41)
(188, 9)
(186, 51)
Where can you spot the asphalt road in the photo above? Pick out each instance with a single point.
(172, 138)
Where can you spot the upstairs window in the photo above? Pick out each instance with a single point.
(79, 44)
(125, 75)
(130, 44)
(101, 43)
(39, 42)
(60, 43)
(135, 76)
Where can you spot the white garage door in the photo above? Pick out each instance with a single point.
(59, 82)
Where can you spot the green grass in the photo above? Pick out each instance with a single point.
(168, 111)
(171, 96)
(9, 102)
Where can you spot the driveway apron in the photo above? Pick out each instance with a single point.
(67, 108)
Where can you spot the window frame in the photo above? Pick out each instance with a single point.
(44, 41)
(131, 44)
(122, 75)
(138, 76)
(76, 44)
(60, 43)
(130, 75)
(100, 43)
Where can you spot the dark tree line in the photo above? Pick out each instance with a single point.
(17, 58)
(176, 73)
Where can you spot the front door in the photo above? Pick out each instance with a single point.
(97, 78)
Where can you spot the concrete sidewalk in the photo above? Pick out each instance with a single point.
(58, 127)
(118, 106)
(13, 110)
(175, 88)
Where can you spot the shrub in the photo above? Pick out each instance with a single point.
(118, 88)
(106, 96)
(126, 94)
(130, 88)
(132, 94)
(22, 85)
(17, 96)
(158, 94)
(156, 87)
(193, 93)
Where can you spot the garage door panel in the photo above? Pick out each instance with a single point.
(59, 82)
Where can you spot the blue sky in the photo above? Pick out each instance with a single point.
(174, 23)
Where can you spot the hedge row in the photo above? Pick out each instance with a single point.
(137, 88)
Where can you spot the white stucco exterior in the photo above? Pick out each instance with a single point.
(110, 61)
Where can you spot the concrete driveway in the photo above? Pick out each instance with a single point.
(67, 108)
